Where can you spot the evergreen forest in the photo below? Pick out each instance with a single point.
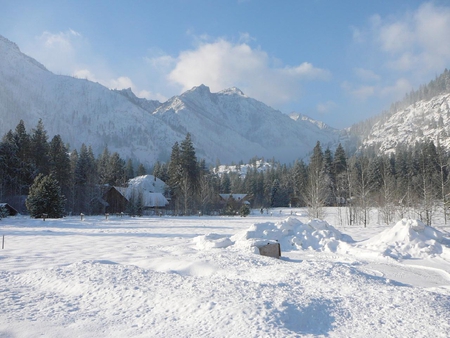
(412, 182)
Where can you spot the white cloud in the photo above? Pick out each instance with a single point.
(57, 51)
(222, 64)
(218, 64)
(418, 41)
(122, 82)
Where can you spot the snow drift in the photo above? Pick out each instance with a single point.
(409, 239)
(292, 234)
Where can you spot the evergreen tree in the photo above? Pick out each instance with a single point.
(341, 174)
(40, 149)
(103, 167)
(60, 163)
(189, 174)
(86, 180)
(300, 178)
(45, 198)
(129, 170)
(116, 170)
(225, 183)
(19, 144)
(174, 172)
(274, 193)
(9, 169)
(157, 170)
(141, 170)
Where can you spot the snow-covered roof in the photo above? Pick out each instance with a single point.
(147, 187)
(147, 183)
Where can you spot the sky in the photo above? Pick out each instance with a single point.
(340, 62)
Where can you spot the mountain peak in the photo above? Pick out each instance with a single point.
(200, 89)
(233, 91)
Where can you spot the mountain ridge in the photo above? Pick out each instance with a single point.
(226, 126)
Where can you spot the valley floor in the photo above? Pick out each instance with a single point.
(156, 277)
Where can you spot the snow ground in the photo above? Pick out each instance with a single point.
(200, 277)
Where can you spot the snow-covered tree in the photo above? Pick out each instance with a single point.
(45, 198)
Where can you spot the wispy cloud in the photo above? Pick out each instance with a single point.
(217, 63)
(417, 41)
(406, 50)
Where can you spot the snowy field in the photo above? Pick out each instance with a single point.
(201, 277)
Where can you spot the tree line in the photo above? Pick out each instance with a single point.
(412, 182)
(27, 158)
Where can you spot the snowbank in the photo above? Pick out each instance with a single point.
(292, 234)
(408, 239)
(212, 240)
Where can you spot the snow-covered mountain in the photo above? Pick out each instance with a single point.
(79, 110)
(239, 126)
(423, 120)
(226, 126)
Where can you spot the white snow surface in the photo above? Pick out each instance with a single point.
(410, 239)
(292, 234)
(196, 277)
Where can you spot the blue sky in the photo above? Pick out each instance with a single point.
(336, 61)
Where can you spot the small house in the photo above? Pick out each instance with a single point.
(9, 209)
(144, 191)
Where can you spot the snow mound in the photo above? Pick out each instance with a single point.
(292, 234)
(211, 241)
(408, 239)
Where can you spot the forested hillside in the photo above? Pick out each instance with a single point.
(422, 111)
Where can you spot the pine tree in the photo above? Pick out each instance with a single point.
(60, 163)
(19, 141)
(86, 180)
(40, 149)
(9, 169)
(225, 183)
(174, 172)
(300, 178)
(340, 171)
(129, 170)
(103, 167)
(116, 170)
(141, 170)
(45, 198)
(189, 174)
